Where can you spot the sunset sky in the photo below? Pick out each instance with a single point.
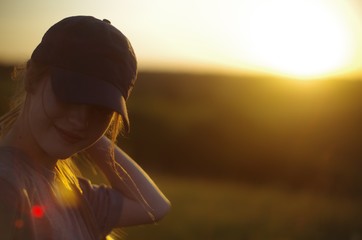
(298, 38)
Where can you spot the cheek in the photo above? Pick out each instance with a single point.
(41, 128)
(41, 118)
(37, 119)
(46, 105)
(53, 108)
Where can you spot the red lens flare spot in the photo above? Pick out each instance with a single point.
(37, 211)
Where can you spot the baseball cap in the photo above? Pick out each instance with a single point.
(91, 62)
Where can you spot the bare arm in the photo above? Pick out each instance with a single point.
(144, 202)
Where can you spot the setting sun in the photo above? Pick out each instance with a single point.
(302, 39)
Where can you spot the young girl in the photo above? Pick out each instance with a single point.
(74, 104)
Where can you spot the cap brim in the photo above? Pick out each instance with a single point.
(77, 88)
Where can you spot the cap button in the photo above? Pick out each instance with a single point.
(107, 21)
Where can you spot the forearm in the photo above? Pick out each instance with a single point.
(129, 178)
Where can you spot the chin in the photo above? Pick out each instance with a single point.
(58, 148)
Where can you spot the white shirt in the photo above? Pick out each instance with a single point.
(47, 208)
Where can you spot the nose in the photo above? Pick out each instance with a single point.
(78, 116)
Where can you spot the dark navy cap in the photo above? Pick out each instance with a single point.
(91, 62)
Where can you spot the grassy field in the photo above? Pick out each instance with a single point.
(207, 210)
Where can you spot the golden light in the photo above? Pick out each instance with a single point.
(303, 39)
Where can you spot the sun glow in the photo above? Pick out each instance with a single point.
(303, 39)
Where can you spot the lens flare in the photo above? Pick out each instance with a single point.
(37, 211)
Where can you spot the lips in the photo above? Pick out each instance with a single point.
(69, 136)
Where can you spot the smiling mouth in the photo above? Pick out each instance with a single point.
(68, 136)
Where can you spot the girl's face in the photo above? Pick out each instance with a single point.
(61, 129)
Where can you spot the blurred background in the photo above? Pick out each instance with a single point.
(246, 113)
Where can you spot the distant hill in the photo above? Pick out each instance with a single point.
(254, 129)
(259, 130)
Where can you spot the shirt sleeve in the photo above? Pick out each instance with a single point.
(105, 202)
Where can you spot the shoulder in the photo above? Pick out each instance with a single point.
(10, 169)
(8, 158)
(13, 175)
(9, 207)
(9, 196)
